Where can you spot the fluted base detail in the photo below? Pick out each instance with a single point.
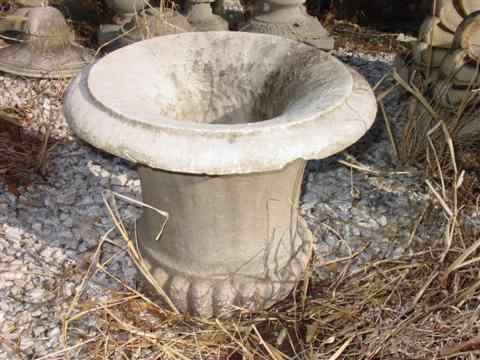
(207, 297)
(229, 241)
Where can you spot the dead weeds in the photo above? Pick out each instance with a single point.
(415, 306)
(22, 154)
(424, 305)
(351, 36)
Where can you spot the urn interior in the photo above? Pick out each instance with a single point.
(230, 80)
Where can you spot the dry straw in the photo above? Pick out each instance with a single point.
(22, 154)
(424, 305)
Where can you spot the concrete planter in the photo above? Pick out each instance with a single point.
(221, 125)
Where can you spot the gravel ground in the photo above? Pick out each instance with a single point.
(369, 212)
(49, 232)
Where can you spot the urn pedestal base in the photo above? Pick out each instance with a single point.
(202, 18)
(230, 241)
(47, 49)
(147, 24)
(291, 22)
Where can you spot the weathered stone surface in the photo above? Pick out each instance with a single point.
(467, 36)
(432, 33)
(242, 230)
(201, 17)
(222, 128)
(469, 6)
(425, 55)
(126, 6)
(448, 14)
(459, 69)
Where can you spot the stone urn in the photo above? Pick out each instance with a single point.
(289, 18)
(221, 125)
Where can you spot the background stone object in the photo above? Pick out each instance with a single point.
(289, 18)
(447, 50)
(200, 15)
(47, 48)
(143, 23)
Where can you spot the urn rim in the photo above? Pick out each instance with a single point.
(337, 116)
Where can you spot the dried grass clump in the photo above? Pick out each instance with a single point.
(445, 141)
(423, 305)
(411, 307)
(21, 154)
(426, 113)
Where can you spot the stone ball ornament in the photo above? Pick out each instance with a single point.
(221, 125)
